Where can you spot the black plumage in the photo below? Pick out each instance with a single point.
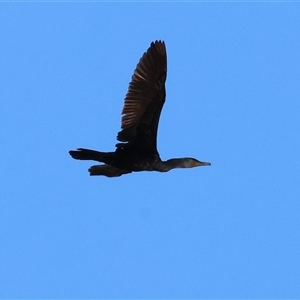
(137, 150)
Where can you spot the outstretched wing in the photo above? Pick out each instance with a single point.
(145, 99)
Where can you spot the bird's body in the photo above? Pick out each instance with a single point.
(143, 104)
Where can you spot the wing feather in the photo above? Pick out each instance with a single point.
(145, 97)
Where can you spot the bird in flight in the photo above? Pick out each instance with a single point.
(137, 150)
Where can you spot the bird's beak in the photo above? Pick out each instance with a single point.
(203, 163)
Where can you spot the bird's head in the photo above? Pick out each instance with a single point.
(186, 162)
(189, 162)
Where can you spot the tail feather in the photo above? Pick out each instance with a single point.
(87, 154)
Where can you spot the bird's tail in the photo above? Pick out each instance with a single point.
(87, 154)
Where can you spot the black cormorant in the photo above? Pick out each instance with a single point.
(143, 103)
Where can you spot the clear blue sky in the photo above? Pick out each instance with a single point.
(231, 230)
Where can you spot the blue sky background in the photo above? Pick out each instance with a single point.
(231, 230)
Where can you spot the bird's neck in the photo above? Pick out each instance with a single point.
(165, 166)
